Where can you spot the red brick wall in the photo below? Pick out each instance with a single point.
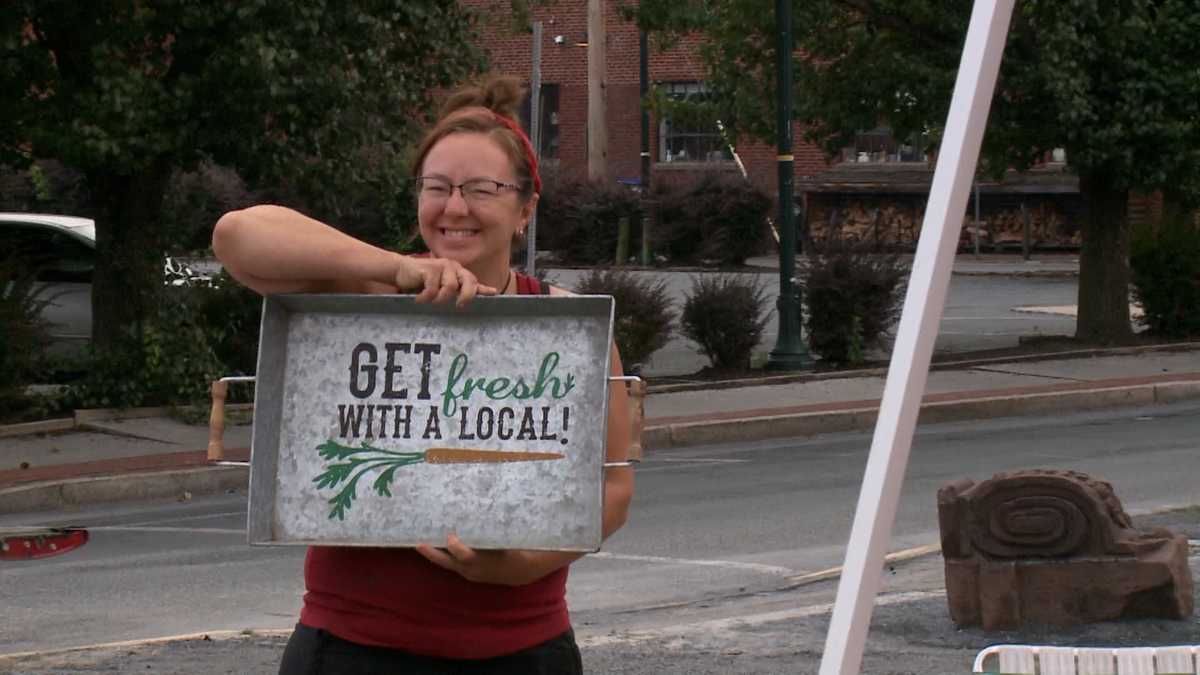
(566, 65)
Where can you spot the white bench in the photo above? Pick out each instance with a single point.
(1040, 660)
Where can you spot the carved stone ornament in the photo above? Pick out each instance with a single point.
(1055, 547)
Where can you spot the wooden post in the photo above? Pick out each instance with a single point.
(597, 128)
(637, 417)
(923, 307)
(216, 421)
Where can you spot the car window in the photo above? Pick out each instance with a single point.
(56, 256)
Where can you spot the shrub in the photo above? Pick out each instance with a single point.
(852, 297)
(725, 315)
(579, 221)
(197, 334)
(643, 314)
(719, 220)
(1165, 262)
(22, 334)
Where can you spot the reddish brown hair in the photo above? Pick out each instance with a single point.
(487, 108)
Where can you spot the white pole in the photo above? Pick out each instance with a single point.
(535, 138)
(923, 308)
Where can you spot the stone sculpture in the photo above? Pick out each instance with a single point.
(1054, 547)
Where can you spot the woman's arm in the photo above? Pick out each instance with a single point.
(273, 249)
(516, 567)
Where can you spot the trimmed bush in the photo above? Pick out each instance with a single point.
(721, 220)
(725, 315)
(643, 316)
(852, 297)
(1165, 265)
(579, 221)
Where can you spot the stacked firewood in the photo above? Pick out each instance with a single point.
(894, 225)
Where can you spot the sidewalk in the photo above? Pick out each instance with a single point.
(156, 456)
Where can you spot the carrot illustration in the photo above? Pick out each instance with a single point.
(474, 456)
(349, 464)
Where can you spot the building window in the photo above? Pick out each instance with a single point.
(689, 140)
(548, 111)
(880, 145)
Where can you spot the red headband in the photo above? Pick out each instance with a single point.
(529, 154)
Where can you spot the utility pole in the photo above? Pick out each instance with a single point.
(789, 352)
(644, 182)
(597, 128)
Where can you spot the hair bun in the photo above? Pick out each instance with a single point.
(501, 94)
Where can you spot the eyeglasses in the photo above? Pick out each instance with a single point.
(476, 190)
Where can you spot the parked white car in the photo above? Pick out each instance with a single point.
(64, 250)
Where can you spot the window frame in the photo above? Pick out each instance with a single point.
(714, 139)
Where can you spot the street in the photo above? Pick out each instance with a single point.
(711, 527)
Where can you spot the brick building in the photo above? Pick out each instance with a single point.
(874, 189)
(677, 153)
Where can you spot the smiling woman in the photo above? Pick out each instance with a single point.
(428, 609)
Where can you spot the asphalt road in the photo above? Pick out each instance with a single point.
(716, 532)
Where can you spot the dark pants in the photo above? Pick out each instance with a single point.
(312, 651)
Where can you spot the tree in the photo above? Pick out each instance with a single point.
(1117, 84)
(126, 91)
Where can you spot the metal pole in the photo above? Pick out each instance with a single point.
(644, 182)
(535, 137)
(789, 352)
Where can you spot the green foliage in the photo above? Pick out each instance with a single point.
(1117, 84)
(579, 220)
(168, 362)
(643, 314)
(198, 333)
(22, 333)
(321, 95)
(1166, 277)
(852, 296)
(725, 315)
(720, 220)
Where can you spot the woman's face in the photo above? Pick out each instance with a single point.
(473, 229)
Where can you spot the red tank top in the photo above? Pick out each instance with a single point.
(393, 597)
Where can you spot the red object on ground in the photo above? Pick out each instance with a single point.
(39, 542)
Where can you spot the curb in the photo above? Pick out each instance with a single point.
(126, 644)
(700, 432)
(176, 483)
(963, 364)
(182, 483)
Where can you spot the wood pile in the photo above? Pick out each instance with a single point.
(899, 225)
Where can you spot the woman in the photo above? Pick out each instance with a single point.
(432, 609)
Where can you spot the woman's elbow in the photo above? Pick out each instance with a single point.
(225, 232)
(618, 497)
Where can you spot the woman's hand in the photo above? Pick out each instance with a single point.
(505, 568)
(439, 280)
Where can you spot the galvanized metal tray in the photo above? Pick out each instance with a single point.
(379, 421)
